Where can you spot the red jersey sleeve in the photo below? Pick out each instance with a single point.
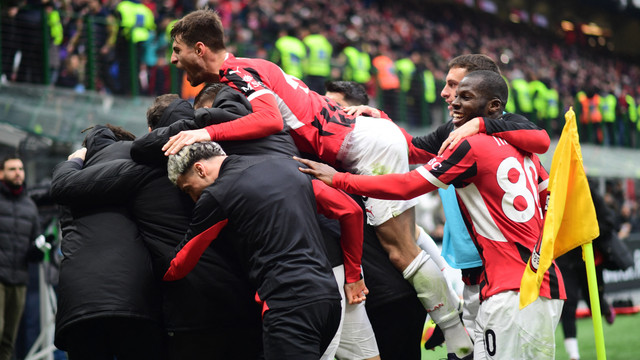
(265, 120)
(388, 187)
(518, 131)
(337, 205)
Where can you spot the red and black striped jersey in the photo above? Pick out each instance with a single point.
(502, 193)
(317, 124)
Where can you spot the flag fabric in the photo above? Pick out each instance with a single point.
(570, 220)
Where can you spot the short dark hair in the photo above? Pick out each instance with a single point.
(207, 94)
(120, 133)
(160, 104)
(8, 157)
(474, 62)
(354, 93)
(201, 25)
(491, 85)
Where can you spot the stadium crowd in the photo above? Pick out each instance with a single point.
(90, 46)
(110, 187)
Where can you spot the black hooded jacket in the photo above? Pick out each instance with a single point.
(106, 270)
(228, 105)
(216, 293)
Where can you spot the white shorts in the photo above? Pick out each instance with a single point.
(505, 332)
(377, 147)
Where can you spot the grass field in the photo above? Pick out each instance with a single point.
(619, 340)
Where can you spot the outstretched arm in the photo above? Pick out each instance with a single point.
(516, 129)
(265, 120)
(335, 204)
(387, 187)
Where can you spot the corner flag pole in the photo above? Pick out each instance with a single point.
(587, 255)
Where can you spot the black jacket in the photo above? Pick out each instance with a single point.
(19, 227)
(106, 270)
(228, 105)
(162, 213)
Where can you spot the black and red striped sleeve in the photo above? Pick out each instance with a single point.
(387, 187)
(335, 204)
(208, 221)
(518, 131)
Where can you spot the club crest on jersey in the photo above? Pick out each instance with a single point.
(435, 165)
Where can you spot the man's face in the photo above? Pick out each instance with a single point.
(468, 103)
(13, 172)
(337, 97)
(454, 76)
(186, 58)
(193, 182)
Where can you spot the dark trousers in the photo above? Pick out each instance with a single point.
(122, 338)
(398, 326)
(300, 332)
(242, 342)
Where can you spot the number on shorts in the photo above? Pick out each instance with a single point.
(490, 342)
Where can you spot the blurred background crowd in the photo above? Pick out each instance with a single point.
(398, 49)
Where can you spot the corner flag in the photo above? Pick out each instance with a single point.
(571, 217)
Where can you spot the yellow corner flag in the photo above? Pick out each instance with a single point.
(571, 217)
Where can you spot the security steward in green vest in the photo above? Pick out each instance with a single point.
(357, 65)
(319, 52)
(290, 53)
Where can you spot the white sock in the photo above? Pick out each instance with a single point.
(433, 293)
(571, 346)
(426, 243)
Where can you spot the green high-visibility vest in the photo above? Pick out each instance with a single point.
(136, 22)
(319, 59)
(290, 54)
(523, 98)
(55, 26)
(633, 110)
(429, 87)
(538, 92)
(608, 108)
(511, 105)
(405, 69)
(553, 104)
(358, 67)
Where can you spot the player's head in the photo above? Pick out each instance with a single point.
(12, 171)
(480, 93)
(346, 93)
(207, 95)
(158, 108)
(196, 37)
(194, 167)
(461, 66)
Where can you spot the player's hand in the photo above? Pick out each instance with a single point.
(80, 154)
(183, 139)
(358, 110)
(322, 171)
(356, 292)
(469, 128)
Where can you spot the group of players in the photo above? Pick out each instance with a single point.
(255, 227)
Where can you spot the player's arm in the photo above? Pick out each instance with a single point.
(265, 120)
(516, 129)
(147, 149)
(207, 223)
(105, 183)
(334, 204)
(388, 187)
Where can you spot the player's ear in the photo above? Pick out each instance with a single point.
(494, 107)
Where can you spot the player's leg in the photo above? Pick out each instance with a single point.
(377, 146)
(330, 352)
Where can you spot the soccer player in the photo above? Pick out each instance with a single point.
(271, 206)
(319, 127)
(502, 193)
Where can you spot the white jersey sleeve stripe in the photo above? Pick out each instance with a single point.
(430, 178)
